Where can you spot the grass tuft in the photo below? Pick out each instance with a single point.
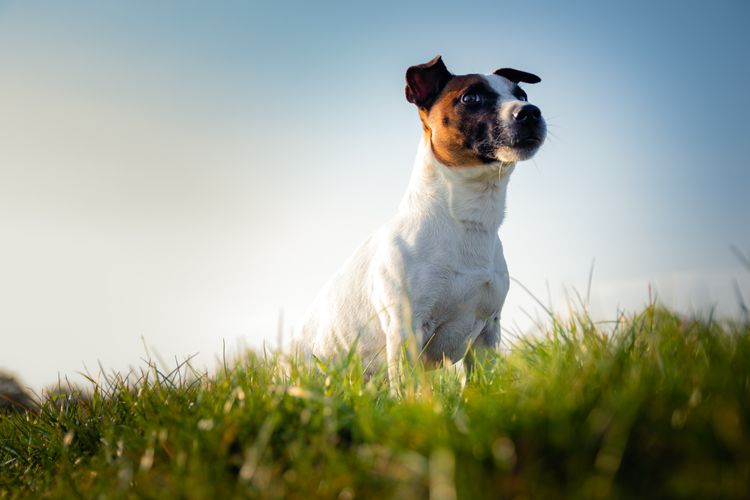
(656, 406)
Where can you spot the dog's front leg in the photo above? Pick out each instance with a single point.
(396, 320)
(484, 346)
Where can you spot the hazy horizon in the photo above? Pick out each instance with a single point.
(185, 174)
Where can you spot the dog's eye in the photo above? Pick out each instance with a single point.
(471, 98)
(520, 94)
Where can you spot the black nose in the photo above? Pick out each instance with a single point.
(527, 113)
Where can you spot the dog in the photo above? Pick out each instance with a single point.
(431, 283)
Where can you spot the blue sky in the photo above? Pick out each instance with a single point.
(187, 173)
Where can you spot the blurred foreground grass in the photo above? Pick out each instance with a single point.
(657, 407)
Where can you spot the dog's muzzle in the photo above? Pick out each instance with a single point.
(529, 127)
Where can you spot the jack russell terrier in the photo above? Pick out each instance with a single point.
(431, 282)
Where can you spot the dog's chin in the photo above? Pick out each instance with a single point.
(521, 150)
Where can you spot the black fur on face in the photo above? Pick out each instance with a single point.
(479, 123)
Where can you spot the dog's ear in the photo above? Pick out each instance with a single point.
(517, 76)
(425, 81)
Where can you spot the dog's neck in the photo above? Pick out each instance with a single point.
(470, 196)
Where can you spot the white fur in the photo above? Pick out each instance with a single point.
(437, 266)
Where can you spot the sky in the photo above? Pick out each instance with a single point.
(180, 178)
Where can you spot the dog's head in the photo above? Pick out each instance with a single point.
(476, 119)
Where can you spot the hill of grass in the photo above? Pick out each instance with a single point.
(657, 407)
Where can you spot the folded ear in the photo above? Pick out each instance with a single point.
(517, 76)
(425, 81)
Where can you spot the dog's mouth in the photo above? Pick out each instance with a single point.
(527, 143)
(522, 148)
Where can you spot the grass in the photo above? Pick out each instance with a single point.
(657, 407)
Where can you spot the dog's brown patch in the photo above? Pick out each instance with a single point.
(459, 132)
